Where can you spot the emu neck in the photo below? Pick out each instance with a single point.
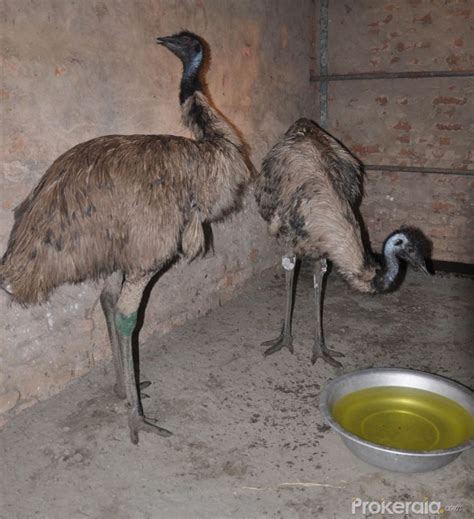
(387, 275)
(190, 81)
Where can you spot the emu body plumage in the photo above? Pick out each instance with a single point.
(122, 203)
(307, 191)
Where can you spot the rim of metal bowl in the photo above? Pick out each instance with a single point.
(328, 418)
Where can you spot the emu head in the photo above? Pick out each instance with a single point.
(409, 244)
(187, 46)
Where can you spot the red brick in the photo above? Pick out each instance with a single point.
(449, 127)
(445, 100)
(424, 20)
(403, 138)
(453, 59)
(400, 46)
(442, 207)
(365, 150)
(464, 13)
(403, 126)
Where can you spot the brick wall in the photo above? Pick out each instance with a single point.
(408, 122)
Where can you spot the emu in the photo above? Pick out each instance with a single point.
(122, 208)
(308, 191)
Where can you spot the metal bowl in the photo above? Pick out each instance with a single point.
(385, 457)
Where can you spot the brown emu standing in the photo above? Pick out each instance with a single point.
(307, 191)
(121, 207)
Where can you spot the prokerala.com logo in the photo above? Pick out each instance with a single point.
(424, 507)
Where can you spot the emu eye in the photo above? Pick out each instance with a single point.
(398, 242)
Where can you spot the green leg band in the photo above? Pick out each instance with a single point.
(125, 323)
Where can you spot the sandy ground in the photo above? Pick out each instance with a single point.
(249, 441)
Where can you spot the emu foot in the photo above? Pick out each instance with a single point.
(119, 389)
(137, 422)
(327, 355)
(284, 340)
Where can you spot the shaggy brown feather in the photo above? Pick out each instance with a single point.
(122, 203)
(307, 190)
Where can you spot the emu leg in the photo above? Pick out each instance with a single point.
(108, 300)
(319, 346)
(285, 339)
(125, 321)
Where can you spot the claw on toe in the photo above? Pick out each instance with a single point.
(334, 353)
(283, 341)
(320, 351)
(327, 358)
(137, 422)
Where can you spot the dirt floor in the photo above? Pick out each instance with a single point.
(249, 441)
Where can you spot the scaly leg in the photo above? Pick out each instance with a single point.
(319, 346)
(125, 321)
(285, 339)
(108, 300)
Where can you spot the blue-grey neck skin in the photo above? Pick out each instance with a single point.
(192, 67)
(190, 81)
(386, 276)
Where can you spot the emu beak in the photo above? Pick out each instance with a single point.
(422, 268)
(162, 40)
(170, 43)
(417, 261)
(174, 45)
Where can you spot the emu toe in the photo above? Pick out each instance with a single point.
(284, 340)
(138, 422)
(327, 355)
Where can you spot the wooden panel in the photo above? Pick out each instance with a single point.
(399, 35)
(441, 205)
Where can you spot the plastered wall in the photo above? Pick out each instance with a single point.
(73, 70)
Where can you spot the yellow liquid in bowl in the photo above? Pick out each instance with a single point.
(404, 418)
